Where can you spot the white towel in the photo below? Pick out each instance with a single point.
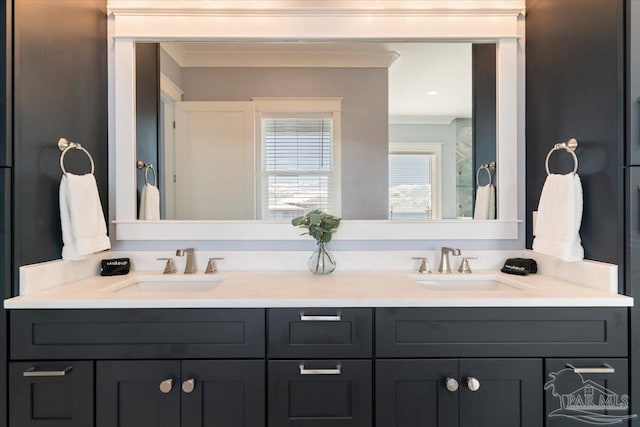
(557, 231)
(485, 207)
(149, 203)
(84, 230)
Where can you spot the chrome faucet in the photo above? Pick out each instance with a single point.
(190, 266)
(445, 266)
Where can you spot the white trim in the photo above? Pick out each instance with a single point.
(349, 230)
(507, 130)
(168, 154)
(351, 20)
(434, 148)
(311, 104)
(298, 7)
(123, 83)
(169, 89)
(175, 51)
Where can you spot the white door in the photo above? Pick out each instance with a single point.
(214, 142)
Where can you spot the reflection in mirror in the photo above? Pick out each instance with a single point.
(362, 130)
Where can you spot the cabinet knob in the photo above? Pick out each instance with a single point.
(189, 385)
(473, 384)
(452, 384)
(166, 385)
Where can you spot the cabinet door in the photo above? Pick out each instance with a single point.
(572, 396)
(223, 393)
(633, 83)
(51, 394)
(509, 394)
(138, 394)
(321, 393)
(413, 393)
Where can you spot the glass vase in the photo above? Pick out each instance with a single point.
(321, 261)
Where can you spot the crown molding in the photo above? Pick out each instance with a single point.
(327, 7)
(279, 58)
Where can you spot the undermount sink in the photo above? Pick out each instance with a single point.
(177, 283)
(464, 283)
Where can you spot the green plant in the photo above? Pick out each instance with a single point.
(320, 225)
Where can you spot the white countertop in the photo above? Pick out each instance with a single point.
(389, 288)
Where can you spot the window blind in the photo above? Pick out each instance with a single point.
(410, 186)
(297, 166)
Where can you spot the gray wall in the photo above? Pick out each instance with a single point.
(364, 118)
(170, 68)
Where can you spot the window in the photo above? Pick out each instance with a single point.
(299, 159)
(413, 181)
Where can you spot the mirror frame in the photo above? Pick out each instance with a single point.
(352, 20)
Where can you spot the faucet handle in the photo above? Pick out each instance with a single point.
(424, 264)
(169, 267)
(211, 265)
(464, 264)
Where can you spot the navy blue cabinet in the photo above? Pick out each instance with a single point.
(575, 388)
(173, 393)
(52, 394)
(417, 393)
(501, 392)
(331, 386)
(320, 393)
(5, 279)
(138, 394)
(223, 393)
(258, 368)
(320, 333)
(465, 393)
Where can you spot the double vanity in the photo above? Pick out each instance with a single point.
(287, 348)
(376, 343)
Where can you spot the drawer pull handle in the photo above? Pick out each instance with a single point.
(604, 369)
(305, 371)
(336, 318)
(166, 386)
(32, 372)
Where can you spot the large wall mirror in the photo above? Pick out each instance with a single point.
(399, 122)
(363, 130)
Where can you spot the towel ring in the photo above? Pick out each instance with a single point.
(570, 147)
(64, 145)
(491, 166)
(146, 166)
(485, 168)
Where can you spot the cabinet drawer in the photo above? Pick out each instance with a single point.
(320, 393)
(149, 334)
(501, 332)
(52, 394)
(603, 381)
(320, 333)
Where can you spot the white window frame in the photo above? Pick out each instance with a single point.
(434, 149)
(266, 107)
